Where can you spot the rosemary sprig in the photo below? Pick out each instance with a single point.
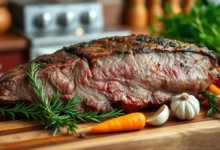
(53, 119)
(54, 113)
(92, 115)
(213, 106)
(20, 108)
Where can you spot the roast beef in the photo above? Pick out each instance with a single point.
(130, 72)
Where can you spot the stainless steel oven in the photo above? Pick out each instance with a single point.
(50, 25)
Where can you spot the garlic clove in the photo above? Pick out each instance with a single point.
(174, 105)
(190, 113)
(160, 117)
(195, 104)
(180, 113)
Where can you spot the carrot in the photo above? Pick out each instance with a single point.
(133, 121)
(214, 89)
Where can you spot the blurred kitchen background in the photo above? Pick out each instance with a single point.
(30, 28)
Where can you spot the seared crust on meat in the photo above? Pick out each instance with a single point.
(136, 44)
(44, 61)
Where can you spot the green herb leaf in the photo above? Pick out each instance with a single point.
(201, 26)
(213, 107)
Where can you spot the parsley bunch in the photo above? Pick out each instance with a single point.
(201, 26)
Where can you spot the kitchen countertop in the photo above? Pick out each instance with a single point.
(12, 42)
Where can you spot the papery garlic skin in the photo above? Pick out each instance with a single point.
(184, 106)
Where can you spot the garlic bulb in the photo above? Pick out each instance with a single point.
(184, 106)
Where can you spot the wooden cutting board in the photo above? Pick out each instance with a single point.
(200, 133)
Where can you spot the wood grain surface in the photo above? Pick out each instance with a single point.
(200, 133)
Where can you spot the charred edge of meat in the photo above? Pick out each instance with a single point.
(217, 75)
(209, 54)
(157, 40)
(6, 79)
(139, 39)
(143, 50)
(42, 62)
(186, 50)
(77, 51)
